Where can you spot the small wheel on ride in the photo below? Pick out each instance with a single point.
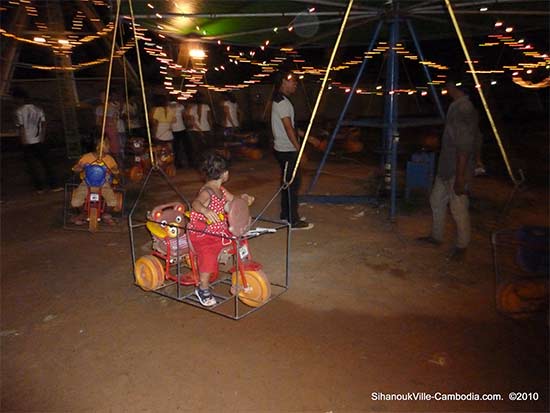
(93, 216)
(119, 201)
(258, 288)
(254, 154)
(136, 173)
(171, 171)
(522, 298)
(149, 272)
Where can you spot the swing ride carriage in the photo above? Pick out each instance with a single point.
(94, 175)
(139, 161)
(171, 269)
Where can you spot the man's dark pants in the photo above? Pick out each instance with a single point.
(38, 152)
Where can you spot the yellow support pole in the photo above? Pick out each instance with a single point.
(142, 84)
(480, 91)
(106, 103)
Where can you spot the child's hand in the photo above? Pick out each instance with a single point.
(248, 198)
(211, 216)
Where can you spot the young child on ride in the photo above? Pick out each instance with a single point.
(208, 230)
(80, 193)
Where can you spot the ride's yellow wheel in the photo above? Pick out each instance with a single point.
(136, 173)
(93, 215)
(254, 154)
(521, 298)
(258, 288)
(353, 146)
(149, 272)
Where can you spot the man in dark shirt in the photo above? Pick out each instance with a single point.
(455, 169)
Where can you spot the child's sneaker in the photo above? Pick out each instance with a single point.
(205, 297)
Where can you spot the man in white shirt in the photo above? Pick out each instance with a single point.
(230, 114)
(286, 146)
(31, 122)
(198, 119)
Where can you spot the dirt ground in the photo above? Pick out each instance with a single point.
(369, 312)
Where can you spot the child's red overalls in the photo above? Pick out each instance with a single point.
(208, 244)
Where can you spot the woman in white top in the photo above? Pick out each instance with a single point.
(205, 117)
(286, 142)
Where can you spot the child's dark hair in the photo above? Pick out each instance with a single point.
(213, 165)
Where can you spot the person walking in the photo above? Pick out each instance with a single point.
(455, 170)
(31, 123)
(286, 145)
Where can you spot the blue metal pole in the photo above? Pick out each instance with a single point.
(345, 109)
(390, 115)
(426, 71)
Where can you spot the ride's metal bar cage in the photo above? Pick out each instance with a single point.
(521, 264)
(228, 304)
(270, 246)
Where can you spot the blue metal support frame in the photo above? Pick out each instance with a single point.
(390, 135)
(426, 71)
(390, 114)
(345, 108)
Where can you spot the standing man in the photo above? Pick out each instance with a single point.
(31, 122)
(231, 115)
(455, 169)
(180, 135)
(286, 146)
